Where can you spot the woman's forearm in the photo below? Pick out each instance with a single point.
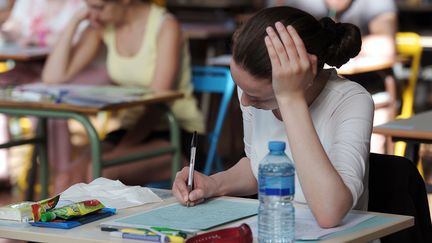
(326, 194)
(56, 66)
(236, 181)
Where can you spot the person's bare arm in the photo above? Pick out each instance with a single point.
(66, 60)
(381, 38)
(169, 54)
(4, 13)
(293, 71)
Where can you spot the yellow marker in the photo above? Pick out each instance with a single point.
(134, 231)
(175, 239)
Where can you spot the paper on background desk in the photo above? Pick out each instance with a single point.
(307, 228)
(112, 194)
(89, 95)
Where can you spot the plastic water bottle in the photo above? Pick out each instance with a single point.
(276, 219)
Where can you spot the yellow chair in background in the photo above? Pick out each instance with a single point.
(6, 66)
(408, 46)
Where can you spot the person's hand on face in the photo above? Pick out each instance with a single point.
(293, 69)
(204, 187)
(82, 14)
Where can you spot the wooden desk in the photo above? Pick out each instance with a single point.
(365, 64)
(426, 42)
(354, 66)
(414, 131)
(417, 128)
(45, 110)
(10, 51)
(374, 228)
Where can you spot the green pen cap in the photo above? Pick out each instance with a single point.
(48, 216)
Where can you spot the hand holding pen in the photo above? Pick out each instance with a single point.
(192, 190)
(191, 166)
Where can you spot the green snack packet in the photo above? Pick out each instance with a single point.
(42, 206)
(72, 210)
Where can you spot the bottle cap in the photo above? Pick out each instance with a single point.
(276, 146)
(48, 216)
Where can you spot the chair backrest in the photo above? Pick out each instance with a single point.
(214, 80)
(395, 186)
(408, 45)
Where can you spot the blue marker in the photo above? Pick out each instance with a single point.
(59, 98)
(154, 238)
(149, 237)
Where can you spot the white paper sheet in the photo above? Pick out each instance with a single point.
(112, 194)
(308, 229)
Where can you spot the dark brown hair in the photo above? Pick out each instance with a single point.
(332, 43)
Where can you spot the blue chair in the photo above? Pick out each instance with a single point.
(214, 80)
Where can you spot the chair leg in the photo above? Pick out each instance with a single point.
(103, 118)
(400, 148)
(410, 151)
(31, 176)
(175, 142)
(43, 157)
(391, 89)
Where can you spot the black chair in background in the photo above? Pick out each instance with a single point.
(395, 186)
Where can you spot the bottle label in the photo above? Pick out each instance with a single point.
(276, 185)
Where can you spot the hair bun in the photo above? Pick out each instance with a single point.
(332, 27)
(344, 41)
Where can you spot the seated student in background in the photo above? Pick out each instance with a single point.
(35, 23)
(145, 50)
(286, 95)
(377, 21)
(5, 8)
(39, 23)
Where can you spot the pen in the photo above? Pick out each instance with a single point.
(163, 230)
(148, 237)
(59, 98)
(192, 164)
(154, 238)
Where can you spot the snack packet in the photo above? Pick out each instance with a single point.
(72, 210)
(42, 206)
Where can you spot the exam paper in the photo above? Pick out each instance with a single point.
(212, 213)
(112, 194)
(306, 227)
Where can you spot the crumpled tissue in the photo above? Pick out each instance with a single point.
(112, 194)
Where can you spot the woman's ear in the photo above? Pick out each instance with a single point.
(313, 59)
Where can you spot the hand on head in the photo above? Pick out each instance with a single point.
(293, 69)
(82, 14)
(204, 187)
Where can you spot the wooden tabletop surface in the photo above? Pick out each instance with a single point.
(10, 51)
(147, 99)
(417, 127)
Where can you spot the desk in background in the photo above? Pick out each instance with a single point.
(365, 64)
(10, 51)
(414, 131)
(45, 110)
(374, 228)
(354, 66)
(426, 42)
